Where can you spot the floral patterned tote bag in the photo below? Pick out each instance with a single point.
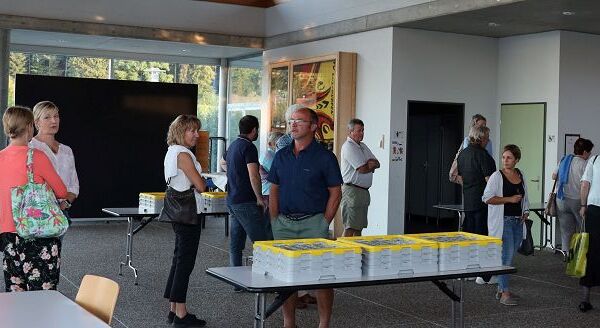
(35, 209)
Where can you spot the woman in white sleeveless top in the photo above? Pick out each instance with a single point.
(182, 172)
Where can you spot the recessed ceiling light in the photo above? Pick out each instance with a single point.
(62, 41)
(492, 24)
(183, 50)
(99, 18)
(568, 13)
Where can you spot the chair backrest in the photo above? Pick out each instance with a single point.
(98, 295)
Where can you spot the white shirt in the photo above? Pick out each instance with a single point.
(590, 175)
(179, 181)
(355, 155)
(63, 162)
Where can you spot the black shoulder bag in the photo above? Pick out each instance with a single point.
(179, 207)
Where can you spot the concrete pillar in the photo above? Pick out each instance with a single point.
(4, 63)
(222, 114)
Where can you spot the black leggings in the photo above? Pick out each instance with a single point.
(187, 238)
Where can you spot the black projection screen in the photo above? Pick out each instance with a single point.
(117, 130)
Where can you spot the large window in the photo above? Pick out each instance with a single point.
(205, 76)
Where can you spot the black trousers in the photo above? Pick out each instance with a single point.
(187, 238)
(476, 221)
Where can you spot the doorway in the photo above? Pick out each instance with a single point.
(524, 125)
(434, 134)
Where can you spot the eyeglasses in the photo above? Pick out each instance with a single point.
(297, 121)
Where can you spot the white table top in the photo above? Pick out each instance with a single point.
(47, 308)
(253, 282)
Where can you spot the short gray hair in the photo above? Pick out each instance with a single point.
(478, 133)
(476, 118)
(353, 122)
(292, 109)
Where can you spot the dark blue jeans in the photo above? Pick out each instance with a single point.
(476, 221)
(247, 220)
(187, 239)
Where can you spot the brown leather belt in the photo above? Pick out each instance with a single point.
(353, 185)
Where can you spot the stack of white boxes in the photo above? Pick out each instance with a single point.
(151, 202)
(306, 259)
(211, 202)
(395, 254)
(463, 250)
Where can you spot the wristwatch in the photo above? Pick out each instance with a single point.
(66, 201)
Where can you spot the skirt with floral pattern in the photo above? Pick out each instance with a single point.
(30, 264)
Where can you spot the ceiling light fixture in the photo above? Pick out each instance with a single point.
(492, 24)
(568, 13)
(183, 50)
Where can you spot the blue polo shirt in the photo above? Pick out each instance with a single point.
(240, 153)
(303, 180)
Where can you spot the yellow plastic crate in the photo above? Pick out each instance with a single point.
(306, 259)
(395, 254)
(151, 202)
(214, 194)
(463, 250)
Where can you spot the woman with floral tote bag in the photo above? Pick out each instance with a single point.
(29, 264)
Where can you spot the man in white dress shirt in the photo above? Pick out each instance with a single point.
(358, 165)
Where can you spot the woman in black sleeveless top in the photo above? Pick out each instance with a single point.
(506, 196)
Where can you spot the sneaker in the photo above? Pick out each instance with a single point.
(515, 296)
(189, 320)
(480, 281)
(170, 317)
(509, 300)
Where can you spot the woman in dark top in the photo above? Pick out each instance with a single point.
(508, 207)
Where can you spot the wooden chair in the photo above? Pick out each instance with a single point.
(98, 295)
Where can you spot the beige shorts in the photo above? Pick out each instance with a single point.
(355, 206)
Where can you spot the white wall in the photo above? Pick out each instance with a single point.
(171, 14)
(373, 88)
(579, 88)
(528, 72)
(440, 67)
(297, 15)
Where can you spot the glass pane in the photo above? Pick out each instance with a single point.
(244, 97)
(134, 70)
(314, 87)
(19, 64)
(97, 68)
(46, 64)
(207, 79)
(279, 97)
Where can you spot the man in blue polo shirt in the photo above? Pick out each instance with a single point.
(244, 196)
(305, 195)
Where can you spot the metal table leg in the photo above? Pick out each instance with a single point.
(458, 315)
(128, 251)
(259, 310)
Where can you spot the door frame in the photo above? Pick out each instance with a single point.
(545, 104)
(406, 168)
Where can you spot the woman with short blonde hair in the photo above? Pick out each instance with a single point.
(182, 174)
(32, 264)
(46, 120)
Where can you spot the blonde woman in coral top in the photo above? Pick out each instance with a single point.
(29, 264)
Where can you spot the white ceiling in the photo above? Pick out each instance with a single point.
(77, 44)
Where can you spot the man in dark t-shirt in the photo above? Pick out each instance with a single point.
(244, 194)
(475, 166)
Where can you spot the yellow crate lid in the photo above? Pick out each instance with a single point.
(214, 194)
(153, 195)
(458, 238)
(383, 242)
(299, 247)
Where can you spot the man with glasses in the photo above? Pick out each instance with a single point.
(358, 165)
(244, 194)
(305, 195)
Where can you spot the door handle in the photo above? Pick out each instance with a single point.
(535, 180)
